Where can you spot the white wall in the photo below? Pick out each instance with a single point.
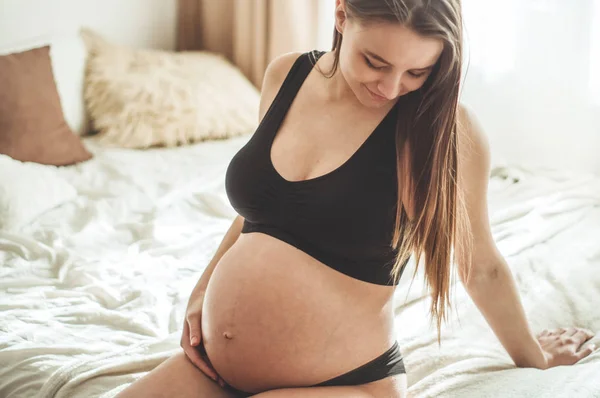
(137, 23)
(534, 79)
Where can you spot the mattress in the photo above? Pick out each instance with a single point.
(93, 293)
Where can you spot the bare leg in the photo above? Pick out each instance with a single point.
(175, 377)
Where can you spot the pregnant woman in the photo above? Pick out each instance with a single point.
(362, 159)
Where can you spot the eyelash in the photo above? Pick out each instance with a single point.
(370, 65)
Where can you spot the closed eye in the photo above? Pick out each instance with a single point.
(370, 64)
(417, 75)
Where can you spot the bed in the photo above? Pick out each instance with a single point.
(93, 292)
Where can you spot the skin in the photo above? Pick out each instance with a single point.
(258, 334)
(407, 65)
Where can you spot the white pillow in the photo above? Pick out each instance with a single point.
(68, 56)
(138, 98)
(27, 190)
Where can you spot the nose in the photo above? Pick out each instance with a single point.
(390, 86)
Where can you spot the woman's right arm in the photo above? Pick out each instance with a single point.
(233, 233)
(192, 335)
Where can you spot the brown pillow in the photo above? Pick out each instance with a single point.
(32, 125)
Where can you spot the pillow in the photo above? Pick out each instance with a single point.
(32, 126)
(143, 98)
(27, 190)
(67, 55)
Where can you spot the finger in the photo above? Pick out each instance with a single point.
(195, 357)
(589, 333)
(571, 331)
(581, 336)
(558, 332)
(585, 352)
(586, 332)
(185, 335)
(186, 330)
(194, 325)
(543, 333)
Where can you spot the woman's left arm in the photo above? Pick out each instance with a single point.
(490, 283)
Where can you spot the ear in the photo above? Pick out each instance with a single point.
(340, 15)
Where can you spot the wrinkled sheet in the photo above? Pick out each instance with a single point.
(93, 293)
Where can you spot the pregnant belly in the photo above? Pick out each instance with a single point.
(275, 317)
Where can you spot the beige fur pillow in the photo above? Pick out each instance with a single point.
(142, 98)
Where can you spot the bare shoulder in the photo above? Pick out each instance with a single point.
(473, 143)
(279, 67)
(274, 76)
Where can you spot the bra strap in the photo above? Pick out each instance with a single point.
(293, 81)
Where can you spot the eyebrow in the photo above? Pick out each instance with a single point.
(378, 58)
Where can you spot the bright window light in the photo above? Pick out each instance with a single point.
(491, 30)
(326, 22)
(595, 53)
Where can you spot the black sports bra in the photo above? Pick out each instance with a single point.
(344, 218)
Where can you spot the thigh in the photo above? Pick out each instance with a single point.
(391, 386)
(175, 377)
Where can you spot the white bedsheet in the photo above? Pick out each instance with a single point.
(92, 294)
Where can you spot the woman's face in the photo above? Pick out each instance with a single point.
(382, 61)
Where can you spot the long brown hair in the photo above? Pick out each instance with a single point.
(427, 125)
